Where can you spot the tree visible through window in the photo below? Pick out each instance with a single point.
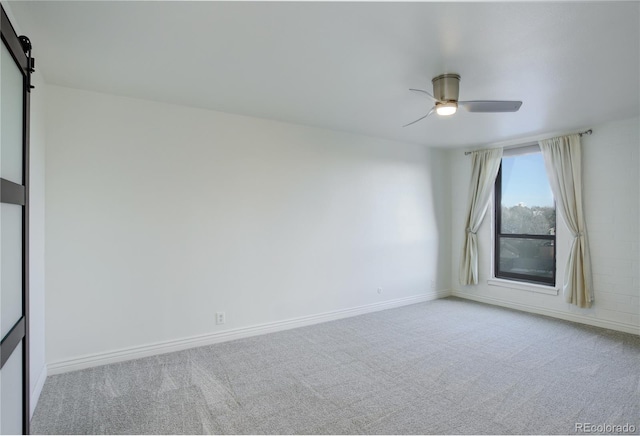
(525, 221)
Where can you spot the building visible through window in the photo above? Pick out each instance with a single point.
(525, 244)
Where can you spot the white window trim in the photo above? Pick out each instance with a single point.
(523, 286)
(514, 284)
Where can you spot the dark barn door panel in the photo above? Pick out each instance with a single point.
(16, 66)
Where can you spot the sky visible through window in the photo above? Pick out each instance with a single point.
(524, 181)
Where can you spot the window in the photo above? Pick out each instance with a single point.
(525, 237)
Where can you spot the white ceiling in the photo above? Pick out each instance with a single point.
(348, 66)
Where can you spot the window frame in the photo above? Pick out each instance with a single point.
(517, 277)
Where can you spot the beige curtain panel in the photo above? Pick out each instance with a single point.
(563, 161)
(485, 165)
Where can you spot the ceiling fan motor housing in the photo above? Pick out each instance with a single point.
(446, 87)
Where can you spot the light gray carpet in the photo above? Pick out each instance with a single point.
(444, 367)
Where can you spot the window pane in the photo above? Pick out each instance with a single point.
(11, 393)
(533, 257)
(10, 266)
(537, 220)
(527, 204)
(11, 118)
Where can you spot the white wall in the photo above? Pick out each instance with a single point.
(611, 196)
(159, 215)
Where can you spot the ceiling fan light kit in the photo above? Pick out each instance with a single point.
(446, 108)
(446, 89)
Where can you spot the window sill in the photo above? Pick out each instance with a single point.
(549, 290)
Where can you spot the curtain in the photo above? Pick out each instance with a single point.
(485, 165)
(562, 158)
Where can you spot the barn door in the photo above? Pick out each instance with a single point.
(15, 69)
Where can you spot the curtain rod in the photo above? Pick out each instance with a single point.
(586, 132)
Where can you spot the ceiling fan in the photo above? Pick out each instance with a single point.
(446, 88)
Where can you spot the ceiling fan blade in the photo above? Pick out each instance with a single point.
(423, 92)
(421, 118)
(491, 106)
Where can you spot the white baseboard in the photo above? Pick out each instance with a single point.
(98, 359)
(37, 390)
(613, 325)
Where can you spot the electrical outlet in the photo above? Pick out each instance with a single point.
(220, 318)
(379, 290)
(433, 285)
